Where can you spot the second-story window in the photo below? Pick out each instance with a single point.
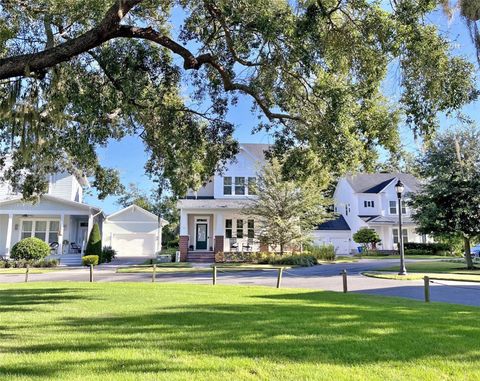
(240, 185)
(252, 185)
(369, 204)
(393, 207)
(347, 209)
(227, 185)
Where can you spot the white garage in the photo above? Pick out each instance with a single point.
(133, 232)
(335, 232)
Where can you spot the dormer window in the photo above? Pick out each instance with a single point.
(369, 204)
(240, 185)
(227, 185)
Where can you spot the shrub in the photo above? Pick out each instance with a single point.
(108, 253)
(434, 248)
(30, 249)
(94, 244)
(220, 257)
(367, 236)
(88, 260)
(323, 252)
(304, 260)
(45, 263)
(173, 242)
(417, 252)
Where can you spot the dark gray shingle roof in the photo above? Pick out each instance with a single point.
(375, 182)
(338, 223)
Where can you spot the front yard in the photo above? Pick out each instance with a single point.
(447, 270)
(125, 331)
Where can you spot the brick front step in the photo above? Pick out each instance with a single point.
(205, 257)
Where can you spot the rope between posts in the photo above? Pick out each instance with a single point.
(451, 285)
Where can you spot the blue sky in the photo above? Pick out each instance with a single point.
(128, 155)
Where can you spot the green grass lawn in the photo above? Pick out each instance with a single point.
(125, 331)
(406, 256)
(185, 267)
(32, 270)
(435, 270)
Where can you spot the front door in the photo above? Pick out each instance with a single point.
(201, 243)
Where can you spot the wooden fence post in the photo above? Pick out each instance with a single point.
(91, 273)
(344, 277)
(214, 275)
(26, 272)
(154, 272)
(426, 281)
(279, 277)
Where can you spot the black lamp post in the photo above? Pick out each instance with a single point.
(399, 188)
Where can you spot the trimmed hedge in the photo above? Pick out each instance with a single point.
(301, 259)
(417, 252)
(88, 260)
(435, 248)
(31, 248)
(5, 264)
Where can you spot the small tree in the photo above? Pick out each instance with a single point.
(94, 244)
(30, 248)
(366, 237)
(449, 203)
(285, 210)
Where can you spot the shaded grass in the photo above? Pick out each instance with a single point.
(184, 267)
(124, 331)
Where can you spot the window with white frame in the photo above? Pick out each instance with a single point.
(227, 185)
(251, 229)
(239, 228)
(240, 185)
(369, 204)
(46, 230)
(393, 207)
(228, 228)
(404, 234)
(252, 185)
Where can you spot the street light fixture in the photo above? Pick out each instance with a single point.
(399, 188)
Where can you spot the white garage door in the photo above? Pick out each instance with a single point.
(342, 246)
(133, 245)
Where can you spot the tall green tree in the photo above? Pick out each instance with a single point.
(133, 195)
(285, 211)
(75, 74)
(94, 243)
(449, 201)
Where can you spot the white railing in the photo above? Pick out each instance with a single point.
(241, 244)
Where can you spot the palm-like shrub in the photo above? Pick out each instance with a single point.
(31, 248)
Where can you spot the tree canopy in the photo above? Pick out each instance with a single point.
(449, 201)
(75, 74)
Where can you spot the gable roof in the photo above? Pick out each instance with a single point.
(47, 197)
(338, 223)
(256, 150)
(133, 207)
(376, 182)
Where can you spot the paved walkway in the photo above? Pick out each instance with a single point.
(326, 277)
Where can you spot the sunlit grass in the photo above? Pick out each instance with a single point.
(153, 331)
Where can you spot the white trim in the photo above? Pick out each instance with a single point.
(8, 241)
(136, 222)
(44, 212)
(195, 223)
(133, 206)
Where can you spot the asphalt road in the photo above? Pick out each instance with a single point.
(325, 277)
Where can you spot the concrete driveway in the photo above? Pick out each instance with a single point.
(325, 277)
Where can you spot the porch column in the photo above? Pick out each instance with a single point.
(60, 234)
(89, 230)
(219, 232)
(183, 239)
(8, 241)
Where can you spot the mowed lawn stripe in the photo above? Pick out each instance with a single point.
(125, 331)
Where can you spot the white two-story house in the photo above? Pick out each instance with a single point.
(211, 219)
(64, 221)
(370, 200)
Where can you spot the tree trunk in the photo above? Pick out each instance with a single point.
(468, 255)
(281, 249)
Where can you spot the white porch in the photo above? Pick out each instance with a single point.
(389, 235)
(214, 231)
(50, 220)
